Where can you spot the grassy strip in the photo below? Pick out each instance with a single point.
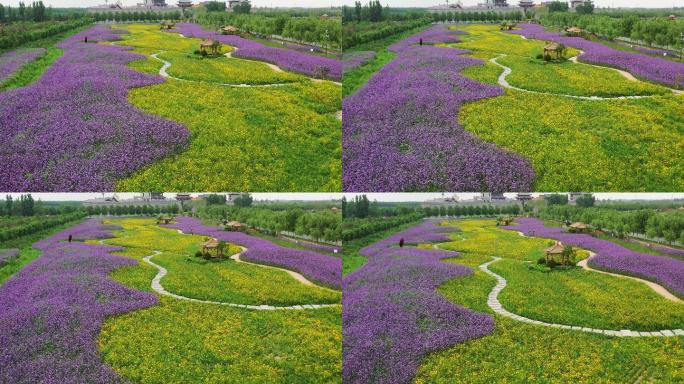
(353, 260)
(355, 78)
(26, 251)
(34, 70)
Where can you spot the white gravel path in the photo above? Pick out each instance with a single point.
(161, 272)
(507, 71)
(659, 289)
(497, 307)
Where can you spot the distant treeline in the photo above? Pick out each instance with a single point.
(37, 224)
(17, 34)
(355, 34)
(321, 224)
(668, 225)
(326, 32)
(456, 17)
(655, 30)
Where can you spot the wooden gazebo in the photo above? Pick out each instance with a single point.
(508, 26)
(579, 227)
(210, 46)
(554, 251)
(167, 25)
(574, 31)
(213, 245)
(164, 219)
(234, 226)
(230, 30)
(553, 47)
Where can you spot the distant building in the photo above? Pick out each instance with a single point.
(147, 198)
(183, 197)
(575, 3)
(487, 5)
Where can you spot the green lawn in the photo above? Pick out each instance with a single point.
(353, 260)
(179, 341)
(518, 352)
(355, 78)
(25, 245)
(242, 139)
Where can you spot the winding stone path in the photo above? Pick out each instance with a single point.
(659, 289)
(496, 306)
(507, 71)
(163, 73)
(161, 272)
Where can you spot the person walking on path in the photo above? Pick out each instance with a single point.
(401, 243)
(70, 238)
(421, 41)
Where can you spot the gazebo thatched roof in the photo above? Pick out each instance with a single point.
(211, 244)
(207, 43)
(230, 28)
(579, 225)
(574, 30)
(551, 47)
(556, 249)
(234, 224)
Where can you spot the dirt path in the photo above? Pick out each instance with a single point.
(659, 289)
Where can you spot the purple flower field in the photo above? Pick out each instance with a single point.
(52, 310)
(321, 268)
(391, 313)
(401, 130)
(646, 67)
(11, 61)
(74, 129)
(612, 257)
(356, 59)
(311, 65)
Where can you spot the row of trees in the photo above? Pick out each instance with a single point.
(356, 226)
(25, 206)
(322, 224)
(455, 17)
(123, 16)
(654, 30)
(36, 12)
(22, 33)
(38, 224)
(562, 199)
(668, 225)
(355, 34)
(123, 210)
(313, 30)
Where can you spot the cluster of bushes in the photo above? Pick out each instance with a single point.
(652, 30)
(17, 34)
(320, 224)
(668, 224)
(122, 210)
(325, 32)
(486, 17)
(38, 224)
(122, 16)
(357, 228)
(355, 34)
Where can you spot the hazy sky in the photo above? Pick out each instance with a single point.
(467, 196)
(256, 3)
(600, 3)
